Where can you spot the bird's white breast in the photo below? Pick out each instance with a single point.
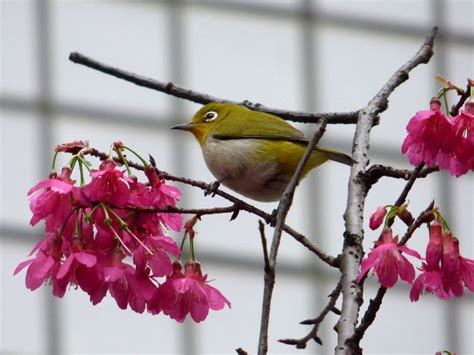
(238, 164)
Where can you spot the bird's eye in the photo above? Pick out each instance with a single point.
(210, 116)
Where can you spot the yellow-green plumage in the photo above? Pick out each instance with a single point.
(253, 153)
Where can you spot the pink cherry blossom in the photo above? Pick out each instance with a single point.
(434, 250)
(429, 281)
(51, 196)
(452, 281)
(445, 272)
(108, 185)
(159, 262)
(461, 158)
(187, 293)
(125, 285)
(387, 261)
(104, 236)
(430, 135)
(376, 219)
(44, 266)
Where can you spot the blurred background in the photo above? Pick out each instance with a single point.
(318, 56)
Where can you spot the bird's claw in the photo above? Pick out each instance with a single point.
(273, 218)
(212, 188)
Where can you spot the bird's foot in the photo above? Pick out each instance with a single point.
(212, 188)
(273, 218)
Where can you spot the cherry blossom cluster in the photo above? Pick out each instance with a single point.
(436, 138)
(109, 236)
(444, 271)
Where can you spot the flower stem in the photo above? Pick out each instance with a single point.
(144, 162)
(191, 249)
(53, 164)
(122, 158)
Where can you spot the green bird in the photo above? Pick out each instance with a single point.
(253, 153)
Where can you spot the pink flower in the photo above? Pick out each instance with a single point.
(430, 135)
(159, 262)
(461, 158)
(80, 269)
(452, 281)
(44, 266)
(434, 250)
(376, 218)
(430, 281)
(187, 293)
(445, 272)
(466, 268)
(108, 185)
(52, 197)
(388, 262)
(72, 147)
(125, 285)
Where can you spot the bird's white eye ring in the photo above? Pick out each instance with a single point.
(210, 116)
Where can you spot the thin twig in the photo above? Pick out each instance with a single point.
(282, 211)
(313, 334)
(266, 261)
(200, 98)
(197, 211)
(376, 302)
(465, 95)
(408, 186)
(240, 204)
(241, 351)
(375, 172)
(353, 236)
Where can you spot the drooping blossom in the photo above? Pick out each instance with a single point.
(434, 249)
(461, 158)
(186, 293)
(44, 266)
(154, 252)
(51, 198)
(445, 272)
(105, 237)
(376, 219)
(387, 261)
(108, 185)
(429, 281)
(430, 136)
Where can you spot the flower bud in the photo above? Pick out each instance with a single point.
(377, 218)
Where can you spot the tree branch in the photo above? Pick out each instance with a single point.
(313, 334)
(376, 172)
(282, 211)
(352, 250)
(201, 98)
(465, 95)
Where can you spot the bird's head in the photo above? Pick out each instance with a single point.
(206, 120)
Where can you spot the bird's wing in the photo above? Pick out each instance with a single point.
(247, 125)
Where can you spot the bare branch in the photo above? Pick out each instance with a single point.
(403, 196)
(201, 98)
(241, 351)
(465, 95)
(261, 228)
(313, 334)
(197, 211)
(375, 172)
(282, 211)
(354, 215)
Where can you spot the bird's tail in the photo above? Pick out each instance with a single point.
(337, 156)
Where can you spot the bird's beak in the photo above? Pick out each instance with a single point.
(185, 127)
